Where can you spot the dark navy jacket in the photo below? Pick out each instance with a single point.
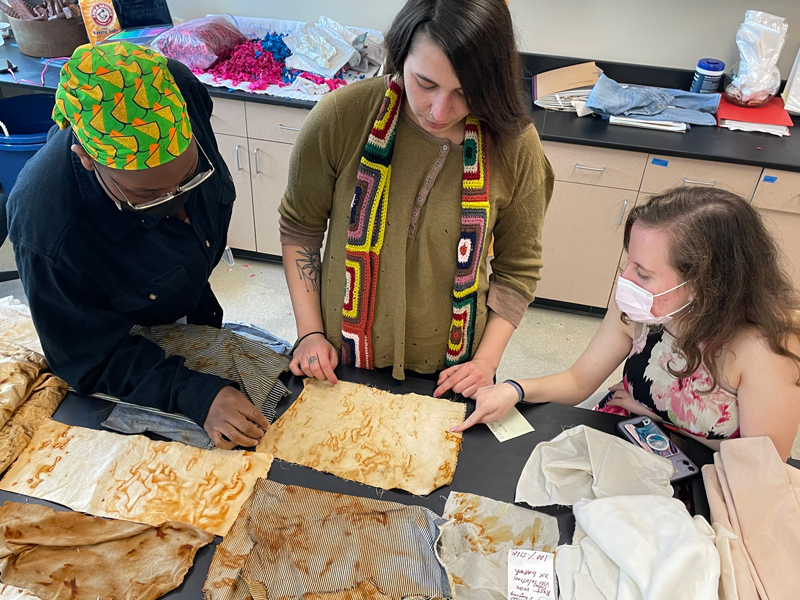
(91, 271)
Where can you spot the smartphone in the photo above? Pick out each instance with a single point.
(644, 432)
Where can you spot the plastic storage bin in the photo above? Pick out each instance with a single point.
(27, 119)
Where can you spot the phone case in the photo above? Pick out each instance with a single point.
(643, 432)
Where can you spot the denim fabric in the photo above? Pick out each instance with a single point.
(651, 103)
(259, 334)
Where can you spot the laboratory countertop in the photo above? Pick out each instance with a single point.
(705, 143)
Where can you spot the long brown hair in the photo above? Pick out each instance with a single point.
(477, 37)
(719, 244)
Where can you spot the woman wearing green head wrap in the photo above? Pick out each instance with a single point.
(119, 221)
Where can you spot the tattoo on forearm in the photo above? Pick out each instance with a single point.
(309, 268)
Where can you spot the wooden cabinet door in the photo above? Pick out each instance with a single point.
(242, 231)
(785, 229)
(582, 242)
(269, 162)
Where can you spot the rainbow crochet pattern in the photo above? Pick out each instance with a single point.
(368, 225)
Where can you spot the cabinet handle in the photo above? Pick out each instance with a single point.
(255, 158)
(236, 151)
(708, 183)
(622, 212)
(601, 169)
(284, 127)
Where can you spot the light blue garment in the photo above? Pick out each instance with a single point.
(651, 103)
(258, 334)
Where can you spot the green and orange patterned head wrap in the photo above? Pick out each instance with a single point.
(123, 105)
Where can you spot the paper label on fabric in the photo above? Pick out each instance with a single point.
(530, 575)
(660, 162)
(511, 426)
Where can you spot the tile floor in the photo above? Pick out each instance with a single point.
(545, 342)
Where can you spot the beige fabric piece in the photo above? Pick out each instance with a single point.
(10, 592)
(639, 547)
(370, 436)
(134, 478)
(70, 556)
(585, 463)
(474, 545)
(47, 393)
(19, 369)
(16, 325)
(294, 542)
(756, 496)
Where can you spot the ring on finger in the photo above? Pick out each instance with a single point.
(312, 360)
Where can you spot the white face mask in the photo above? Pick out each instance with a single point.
(637, 302)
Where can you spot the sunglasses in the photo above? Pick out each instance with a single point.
(184, 187)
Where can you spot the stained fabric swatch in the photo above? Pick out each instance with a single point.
(294, 542)
(221, 352)
(475, 542)
(10, 592)
(70, 556)
(28, 397)
(46, 394)
(16, 325)
(19, 369)
(134, 478)
(370, 436)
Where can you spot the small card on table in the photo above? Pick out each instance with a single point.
(511, 426)
(531, 575)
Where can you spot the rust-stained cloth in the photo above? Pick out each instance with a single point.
(295, 542)
(370, 436)
(475, 542)
(70, 556)
(28, 397)
(135, 478)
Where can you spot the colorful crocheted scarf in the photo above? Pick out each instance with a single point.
(368, 226)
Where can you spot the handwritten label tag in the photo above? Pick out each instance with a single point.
(530, 575)
(511, 426)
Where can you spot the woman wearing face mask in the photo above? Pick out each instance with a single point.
(705, 320)
(412, 175)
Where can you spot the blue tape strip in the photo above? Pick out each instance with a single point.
(660, 162)
(770, 179)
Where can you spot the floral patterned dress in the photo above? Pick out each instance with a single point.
(685, 404)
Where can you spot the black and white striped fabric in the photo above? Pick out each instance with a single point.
(295, 542)
(220, 352)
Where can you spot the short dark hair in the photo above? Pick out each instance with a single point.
(477, 37)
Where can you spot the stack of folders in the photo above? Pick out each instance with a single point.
(562, 89)
(768, 118)
(675, 126)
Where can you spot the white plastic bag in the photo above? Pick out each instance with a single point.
(319, 51)
(760, 40)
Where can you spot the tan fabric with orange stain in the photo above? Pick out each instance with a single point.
(70, 556)
(135, 478)
(10, 592)
(19, 369)
(370, 436)
(47, 393)
(474, 545)
(294, 542)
